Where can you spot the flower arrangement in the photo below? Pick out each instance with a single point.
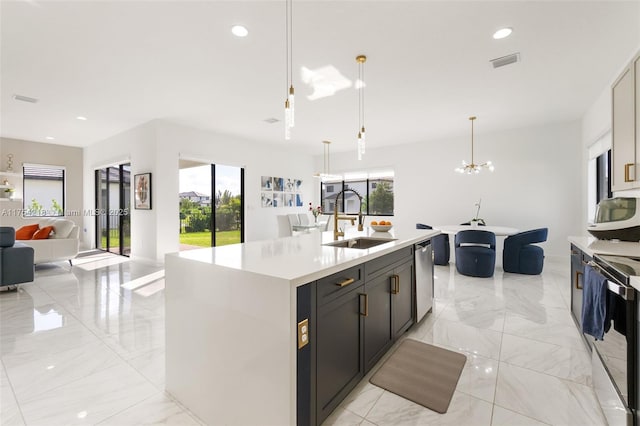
(315, 211)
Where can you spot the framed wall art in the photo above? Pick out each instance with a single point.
(142, 191)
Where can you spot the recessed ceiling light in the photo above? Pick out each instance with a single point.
(239, 31)
(50, 138)
(81, 118)
(502, 33)
(271, 120)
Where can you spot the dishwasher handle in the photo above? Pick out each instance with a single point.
(423, 246)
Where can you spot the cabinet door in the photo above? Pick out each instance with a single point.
(339, 351)
(378, 336)
(402, 298)
(623, 161)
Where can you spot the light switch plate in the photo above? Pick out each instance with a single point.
(303, 333)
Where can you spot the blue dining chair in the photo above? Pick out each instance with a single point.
(520, 256)
(441, 249)
(475, 253)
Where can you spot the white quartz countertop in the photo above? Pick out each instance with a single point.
(303, 258)
(591, 246)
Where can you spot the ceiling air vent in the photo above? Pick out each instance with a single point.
(505, 60)
(25, 99)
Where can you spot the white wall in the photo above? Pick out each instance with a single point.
(42, 153)
(138, 147)
(157, 146)
(537, 181)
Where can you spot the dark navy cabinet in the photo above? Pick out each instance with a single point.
(354, 317)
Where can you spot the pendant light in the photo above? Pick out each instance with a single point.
(361, 59)
(289, 103)
(326, 172)
(473, 167)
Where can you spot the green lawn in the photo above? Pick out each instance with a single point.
(115, 242)
(203, 239)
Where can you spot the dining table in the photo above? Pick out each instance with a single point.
(500, 231)
(309, 226)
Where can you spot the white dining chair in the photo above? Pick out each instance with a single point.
(293, 220)
(304, 218)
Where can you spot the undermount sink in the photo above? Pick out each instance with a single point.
(360, 243)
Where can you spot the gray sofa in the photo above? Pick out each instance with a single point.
(16, 260)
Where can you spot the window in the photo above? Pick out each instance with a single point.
(377, 194)
(43, 190)
(603, 182)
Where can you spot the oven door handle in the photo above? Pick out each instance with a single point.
(627, 293)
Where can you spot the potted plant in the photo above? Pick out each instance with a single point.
(8, 192)
(476, 220)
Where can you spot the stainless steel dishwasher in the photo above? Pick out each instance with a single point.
(423, 256)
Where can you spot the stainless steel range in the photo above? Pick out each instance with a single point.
(614, 359)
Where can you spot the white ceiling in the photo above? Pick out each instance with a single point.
(124, 63)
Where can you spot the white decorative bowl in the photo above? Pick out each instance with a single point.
(381, 228)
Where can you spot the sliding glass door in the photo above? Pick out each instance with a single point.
(211, 205)
(113, 203)
(228, 220)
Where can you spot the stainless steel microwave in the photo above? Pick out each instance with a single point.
(617, 218)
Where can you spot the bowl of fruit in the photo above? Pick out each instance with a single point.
(381, 226)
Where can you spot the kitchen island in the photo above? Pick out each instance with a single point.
(232, 319)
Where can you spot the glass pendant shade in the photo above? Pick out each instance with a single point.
(287, 120)
(292, 107)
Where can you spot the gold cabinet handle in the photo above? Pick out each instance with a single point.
(578, 286)
(345, 282)
(395, 287)
(627, 168)
(366, 305)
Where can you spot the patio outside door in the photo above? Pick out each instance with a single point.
(211, 205)
(113, 204)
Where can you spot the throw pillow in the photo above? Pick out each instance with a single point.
(42, 233)
(26, 232)
(62, 228)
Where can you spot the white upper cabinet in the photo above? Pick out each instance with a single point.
(625, 96)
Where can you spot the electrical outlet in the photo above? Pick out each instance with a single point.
(303, 333)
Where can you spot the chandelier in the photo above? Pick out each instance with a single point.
(473, 167)
(361, 59)
(289, 103)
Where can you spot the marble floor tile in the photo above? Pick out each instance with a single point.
(50, 371)
(157, 410)
(91, 399)
(563, 362)
(546, 398)
(342, 417)
(10, 414)
(563, 334)
(463, 338)
(362, 398)
(477, 311)
(151, 366)
(479, 377)
(504, 417)
(33, 345)
(392, 409)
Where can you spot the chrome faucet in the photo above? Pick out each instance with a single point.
(336, 232)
